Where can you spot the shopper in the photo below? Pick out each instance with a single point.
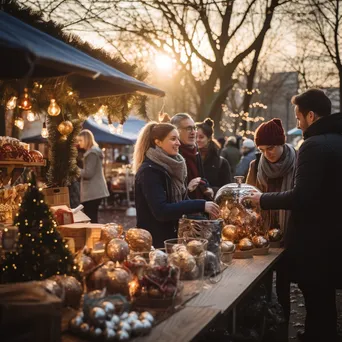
(231, 153)
(314, 240)
(160, 188)
(93, 184)
(274, 171)
(248, 155)
(216, 169)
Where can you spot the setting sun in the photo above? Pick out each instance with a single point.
(163, 62)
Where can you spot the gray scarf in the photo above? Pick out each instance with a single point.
(175, 167)
(285, 169)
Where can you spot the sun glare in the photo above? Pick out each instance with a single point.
(163, 62)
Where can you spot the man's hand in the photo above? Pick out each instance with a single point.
(212, 209)
(253, 197)
(194, 184)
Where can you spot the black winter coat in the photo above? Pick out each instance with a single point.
(314, 238)
(216, 170)
(156, 210)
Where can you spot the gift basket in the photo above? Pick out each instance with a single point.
(243, 223)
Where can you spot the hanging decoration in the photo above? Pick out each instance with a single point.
(12, 103)
(119, 129)
(19, 122)
(54, 108)
(30, 116)
(25, 102)
(44, 133)
(65, 128)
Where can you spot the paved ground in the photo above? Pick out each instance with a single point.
(118, 215)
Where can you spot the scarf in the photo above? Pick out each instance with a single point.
(284, 169)
(175, 167)
(190, 156)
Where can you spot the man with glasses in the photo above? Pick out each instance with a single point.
(314, 238)
(198, 187)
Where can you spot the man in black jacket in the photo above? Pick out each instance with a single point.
(314, 240)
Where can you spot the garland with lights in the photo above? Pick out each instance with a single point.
(41, 251)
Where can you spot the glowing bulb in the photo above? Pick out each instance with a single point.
(19, 123)
(11, 104)
(112, 128)
(54, 109)
(102, 111)
(119, 130)
(163, 62)
(98, 119)
(25, 102)
(44, 133)
(30, 116)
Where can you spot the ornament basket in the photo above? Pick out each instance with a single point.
(226, 258)
(261, 251)
(238, 254)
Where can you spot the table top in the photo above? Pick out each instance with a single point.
(236, 280)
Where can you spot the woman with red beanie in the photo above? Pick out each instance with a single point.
(273, 171)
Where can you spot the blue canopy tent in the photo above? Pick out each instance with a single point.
(27, 52)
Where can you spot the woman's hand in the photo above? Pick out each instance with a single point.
(194, 184)
(212, 209)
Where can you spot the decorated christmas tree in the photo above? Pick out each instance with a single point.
(41, 251)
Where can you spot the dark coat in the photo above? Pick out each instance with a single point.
(156, 210)
(315, 236)
(243, 166)
(232, 155)
(216, 169)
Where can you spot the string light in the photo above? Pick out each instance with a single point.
(54, 109)
(112, 128)
(12, 103)
(119, 129)
(30, 116)
(25, 102)
(19, 122)
(44, 133)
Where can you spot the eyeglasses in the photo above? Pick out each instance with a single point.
(189, 129)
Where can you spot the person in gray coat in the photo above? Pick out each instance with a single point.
(248, 155)
(93, 184)
(231, 153)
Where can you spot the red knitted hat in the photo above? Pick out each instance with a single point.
(270, 133)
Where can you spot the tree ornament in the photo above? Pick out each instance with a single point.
(44, 133)
(245, 244)
(12, 103)
(259, 241)
(30, 116)
(227, 247)
(139, 240)
(65, 128)
(117, 250)
(195, 247)
(19, 122)
(275, 235)
(229, 233)
(54, 109)
(25, 102)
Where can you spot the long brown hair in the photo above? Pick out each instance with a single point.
(89, 139)
(146, 139)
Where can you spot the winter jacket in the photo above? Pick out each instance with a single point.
(216, 170)
(243, 166)
(232, 155)
(314, 238)
(93, 184)
(156, 210)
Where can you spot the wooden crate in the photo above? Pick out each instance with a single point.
(83, 234)
(57, 196)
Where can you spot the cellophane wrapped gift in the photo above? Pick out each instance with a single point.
(28, 312)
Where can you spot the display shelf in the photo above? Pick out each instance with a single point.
(10, 165)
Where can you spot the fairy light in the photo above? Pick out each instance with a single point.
(12, 103)
(44, 133)
(54, 109)
(30, 116)
(19, 122)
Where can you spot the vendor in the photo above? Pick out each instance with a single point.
(160, 188)
(93, 183)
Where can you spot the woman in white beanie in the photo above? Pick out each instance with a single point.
(248, 155)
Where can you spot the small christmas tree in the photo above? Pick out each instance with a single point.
(41, 251)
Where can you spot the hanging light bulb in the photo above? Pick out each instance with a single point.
(119, 129)
(19, 122)
(44, 133)
(98, 119)
(30, 116)
(54, 109)
(11, 104)
(102, 111)
(25, 102)
(112, 128)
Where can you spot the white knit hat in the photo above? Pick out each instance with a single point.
(248, 143)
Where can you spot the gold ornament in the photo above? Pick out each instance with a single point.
(275, 234)
(227, 247)
(139, 240)
(117, 250)
(229, 233)
(195, 247)
(54, 109)
(259, 241)
(65, 128)
(245, 244)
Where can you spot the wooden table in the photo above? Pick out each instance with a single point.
(215, 299)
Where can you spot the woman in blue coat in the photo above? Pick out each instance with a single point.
(160, 188)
